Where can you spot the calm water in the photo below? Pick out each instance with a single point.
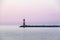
(13, 32)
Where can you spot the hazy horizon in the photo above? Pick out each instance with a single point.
(34, 11)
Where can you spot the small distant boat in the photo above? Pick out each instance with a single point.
(24, 25)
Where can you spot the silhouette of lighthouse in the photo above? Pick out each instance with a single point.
(23, 22)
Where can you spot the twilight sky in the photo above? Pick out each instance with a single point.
(34, 11)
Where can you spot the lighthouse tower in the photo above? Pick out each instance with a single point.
(23, 22)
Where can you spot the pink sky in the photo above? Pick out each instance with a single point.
(34, 11)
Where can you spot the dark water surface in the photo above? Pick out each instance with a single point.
(13, 32)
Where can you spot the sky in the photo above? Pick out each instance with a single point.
(12, 12)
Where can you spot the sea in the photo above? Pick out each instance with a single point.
(14, 32)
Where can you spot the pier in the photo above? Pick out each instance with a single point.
(24, 25)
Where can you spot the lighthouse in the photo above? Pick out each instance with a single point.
(23, 22)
